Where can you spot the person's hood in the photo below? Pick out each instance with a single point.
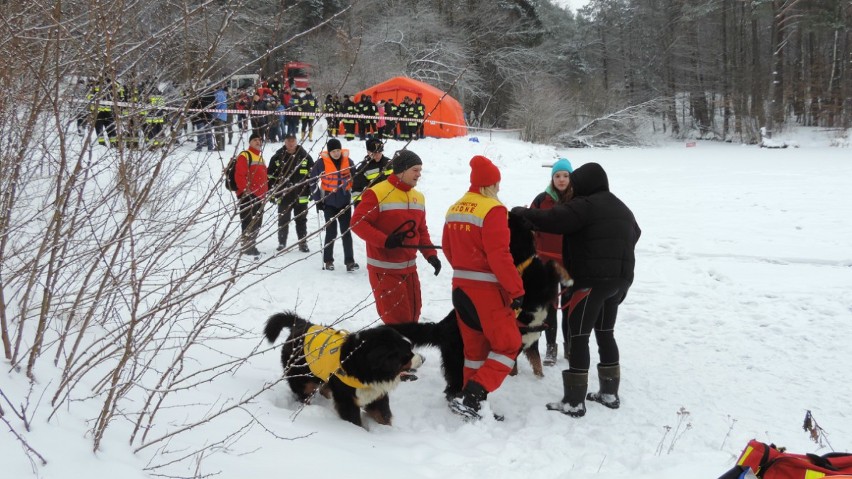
(589, 179)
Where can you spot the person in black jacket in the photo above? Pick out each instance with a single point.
(598, 242)
(288, 172)
(373, 169)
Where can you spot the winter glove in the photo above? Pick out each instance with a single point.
(517, 303)
(519, 212)
(393, 241)
(435, 262)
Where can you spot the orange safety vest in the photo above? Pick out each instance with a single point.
(332, 178)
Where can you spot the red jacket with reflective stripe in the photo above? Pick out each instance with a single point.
(476, 239)
(384, 208)
(250, 174)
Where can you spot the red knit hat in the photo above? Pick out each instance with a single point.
(483, 172)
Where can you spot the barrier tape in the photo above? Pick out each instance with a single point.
(143, 106)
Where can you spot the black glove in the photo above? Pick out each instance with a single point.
(517, 303)
(393, 241)
(435, 262)
(518, 214)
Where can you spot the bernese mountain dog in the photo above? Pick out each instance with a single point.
(355, 369)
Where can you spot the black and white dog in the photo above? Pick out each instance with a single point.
(541, 286)
(356, 369)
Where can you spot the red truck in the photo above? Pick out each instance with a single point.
(297, 75)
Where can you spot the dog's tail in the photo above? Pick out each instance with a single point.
(429, 334)
(277, 322)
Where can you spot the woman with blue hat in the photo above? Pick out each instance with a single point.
(549, 247)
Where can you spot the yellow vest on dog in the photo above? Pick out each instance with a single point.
(322, 353)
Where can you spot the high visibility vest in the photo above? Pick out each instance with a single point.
(332, 179)
(466, 216)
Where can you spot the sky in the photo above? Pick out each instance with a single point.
(738, 323)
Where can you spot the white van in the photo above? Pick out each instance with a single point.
(245, 82)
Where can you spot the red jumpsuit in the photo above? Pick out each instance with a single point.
(393, 272)
(476, 243)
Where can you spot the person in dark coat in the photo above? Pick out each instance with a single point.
(599, 238)
(373, 169)
(348, 108)
(289, 171)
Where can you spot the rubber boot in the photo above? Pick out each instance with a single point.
(469, 403)
(609, 377)
(573, 403)
(567, 346)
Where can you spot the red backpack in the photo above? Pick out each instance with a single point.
(769, 462)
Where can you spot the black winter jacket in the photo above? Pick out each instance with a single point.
(599, 231)
(369, 173)
(287, 170)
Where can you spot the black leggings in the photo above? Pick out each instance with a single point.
(595, 309)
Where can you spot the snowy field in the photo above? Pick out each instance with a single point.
(738, 322)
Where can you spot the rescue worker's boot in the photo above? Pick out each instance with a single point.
(468, 404)
(609, 377)
(567, 346)
(573, 402)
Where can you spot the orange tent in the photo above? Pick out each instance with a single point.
(448, 111)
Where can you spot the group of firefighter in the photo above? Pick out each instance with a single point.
(128, 113)
(382, 119)
(119, 112)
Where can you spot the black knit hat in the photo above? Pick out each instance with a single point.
(375, 145)
(405, 159)
(333, 144)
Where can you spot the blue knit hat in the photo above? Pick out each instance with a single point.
(562, 164)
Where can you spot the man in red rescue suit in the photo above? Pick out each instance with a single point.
(392, 214)
(333, 171)
(487, 287)
(252, 185)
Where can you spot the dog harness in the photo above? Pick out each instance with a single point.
(322, 353)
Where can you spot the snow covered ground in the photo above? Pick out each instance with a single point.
(738, 322)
